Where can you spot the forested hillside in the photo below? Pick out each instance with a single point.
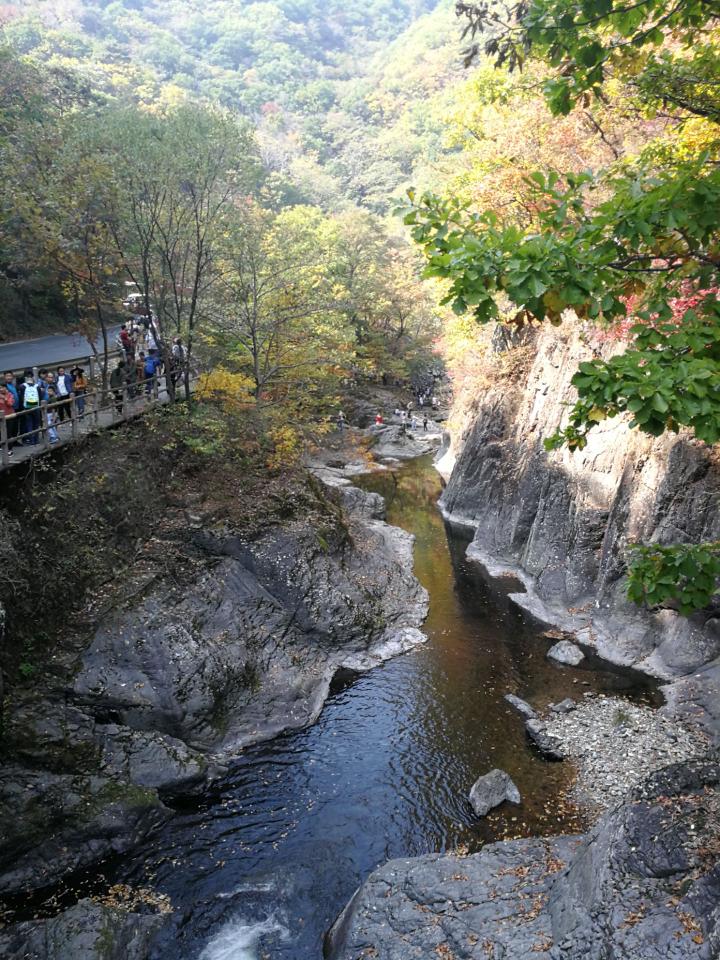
(336, 85)
(307, 128)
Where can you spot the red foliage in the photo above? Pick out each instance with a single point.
(689, 299)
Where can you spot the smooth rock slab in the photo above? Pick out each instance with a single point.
(640, 886)
(549, 746)
(491, 790)
(522, 706)
(566, 653)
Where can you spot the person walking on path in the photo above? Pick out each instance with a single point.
(125, 343)
(177, 361)
(341, 421)
(32, 393)
(52, 415)
(14, 423)
(152, 365)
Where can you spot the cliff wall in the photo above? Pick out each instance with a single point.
(562, 521)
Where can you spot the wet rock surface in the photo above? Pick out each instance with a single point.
(522, 706)
(88, 930)
(491, 790)
(180, 677)
(641, 885)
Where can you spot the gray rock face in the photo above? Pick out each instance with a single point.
(564, 520)
(180, 678)
(549, 746)
(567, 653)
(88, 931)
(392, 443)
(251, 647)
(522, 706)
(492, 789)
(565, 706)
(639, 887)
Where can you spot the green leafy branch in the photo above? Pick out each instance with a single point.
(667, 380)
(583, 42)
(684, 574)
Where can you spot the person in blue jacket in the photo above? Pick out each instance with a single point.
(153, 363)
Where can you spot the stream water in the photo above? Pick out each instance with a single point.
(385, 772)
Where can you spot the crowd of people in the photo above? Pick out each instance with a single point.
(22, 396)
(405, 415)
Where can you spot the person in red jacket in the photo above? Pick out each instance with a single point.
(7, 406)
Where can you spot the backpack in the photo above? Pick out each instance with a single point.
(31, 397)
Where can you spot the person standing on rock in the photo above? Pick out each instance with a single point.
(425, 422)
(341, 421)
(378, 419)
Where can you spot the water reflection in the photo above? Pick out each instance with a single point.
(384, 773)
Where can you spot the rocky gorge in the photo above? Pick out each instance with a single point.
(179, 676)
(144, 718)
(561, 523)
(644, 883)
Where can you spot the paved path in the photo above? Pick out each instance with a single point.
(46, 351)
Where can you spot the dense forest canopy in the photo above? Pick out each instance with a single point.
(569, 176)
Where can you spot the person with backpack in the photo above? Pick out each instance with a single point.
(153, 363)
(32, 393)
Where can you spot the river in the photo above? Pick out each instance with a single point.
(385, 772)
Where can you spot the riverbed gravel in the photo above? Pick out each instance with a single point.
(616, 744)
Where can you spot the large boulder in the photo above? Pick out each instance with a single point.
(566, 653)
(549, 746)
(87, 931)
(491, 790)
(643, 885)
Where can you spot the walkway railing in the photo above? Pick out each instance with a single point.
(32, 432)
